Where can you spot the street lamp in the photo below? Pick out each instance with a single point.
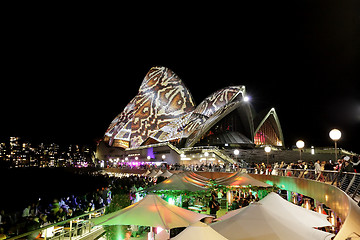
(236, 153)
(335, 135)
(300, 145)
(267, 150)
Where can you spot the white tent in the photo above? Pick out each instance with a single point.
(230, 214)
(151, 211)
(199, 231)
(158, 173)
(153, 173)
(147, 172)
(166, 174)
(257, 222)
(281, 207)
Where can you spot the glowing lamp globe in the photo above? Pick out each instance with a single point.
(335, 134)
(267, 149)
(236, 152)
(300, 144)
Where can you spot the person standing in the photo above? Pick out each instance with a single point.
(356, 164)
(214, 205)
(26, 212)
(317, 169)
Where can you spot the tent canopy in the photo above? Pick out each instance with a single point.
(177, 182)
(257, 222)
(279, 206)
(153, 173)
(166, 174)
(197, 231)
(151, 211)
(241, 179)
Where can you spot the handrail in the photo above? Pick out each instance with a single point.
(331, 177)
(332, 196)
(57, 224)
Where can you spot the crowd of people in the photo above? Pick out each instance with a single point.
(40, 213)
(310, 169)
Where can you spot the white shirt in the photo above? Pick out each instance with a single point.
(26, 212)
(317, 168)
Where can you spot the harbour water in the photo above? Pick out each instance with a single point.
(20, 187)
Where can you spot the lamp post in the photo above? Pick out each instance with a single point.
(206, 154)
(300, 145)
(267, 150)
(335, 135)
(236, 153)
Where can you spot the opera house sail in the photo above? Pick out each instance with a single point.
(163, 111)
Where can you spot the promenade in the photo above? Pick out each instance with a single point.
(340, 193)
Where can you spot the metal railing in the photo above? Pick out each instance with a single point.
(70, 229)
(349, 182)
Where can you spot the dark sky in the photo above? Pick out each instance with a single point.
(64, 78)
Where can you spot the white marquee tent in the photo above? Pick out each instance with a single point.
(258, 222)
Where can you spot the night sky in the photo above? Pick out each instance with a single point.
(65, 80)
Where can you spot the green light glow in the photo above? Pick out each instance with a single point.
(171, 201)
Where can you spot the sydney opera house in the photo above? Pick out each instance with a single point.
(163, 122)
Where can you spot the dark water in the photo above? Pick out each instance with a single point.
(22, 186)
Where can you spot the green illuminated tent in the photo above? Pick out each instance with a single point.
(151, 211)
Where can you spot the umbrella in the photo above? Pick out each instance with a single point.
(199, 231)
(257, 222)
(151, 211)
(177, 182)
(279, 206)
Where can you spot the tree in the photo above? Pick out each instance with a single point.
(119, 201)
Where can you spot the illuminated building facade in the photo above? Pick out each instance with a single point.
(164, 112)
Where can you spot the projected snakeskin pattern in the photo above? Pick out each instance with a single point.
(162, 98)
(213, 119)
(122, 124)
(173, 130)
(184, 127)
(218, 99)
(164, 110)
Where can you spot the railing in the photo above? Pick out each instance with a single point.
(211, 149)
(72, 229)
(349, 182)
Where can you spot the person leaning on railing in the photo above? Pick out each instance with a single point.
(346, 166)
(356, 163)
